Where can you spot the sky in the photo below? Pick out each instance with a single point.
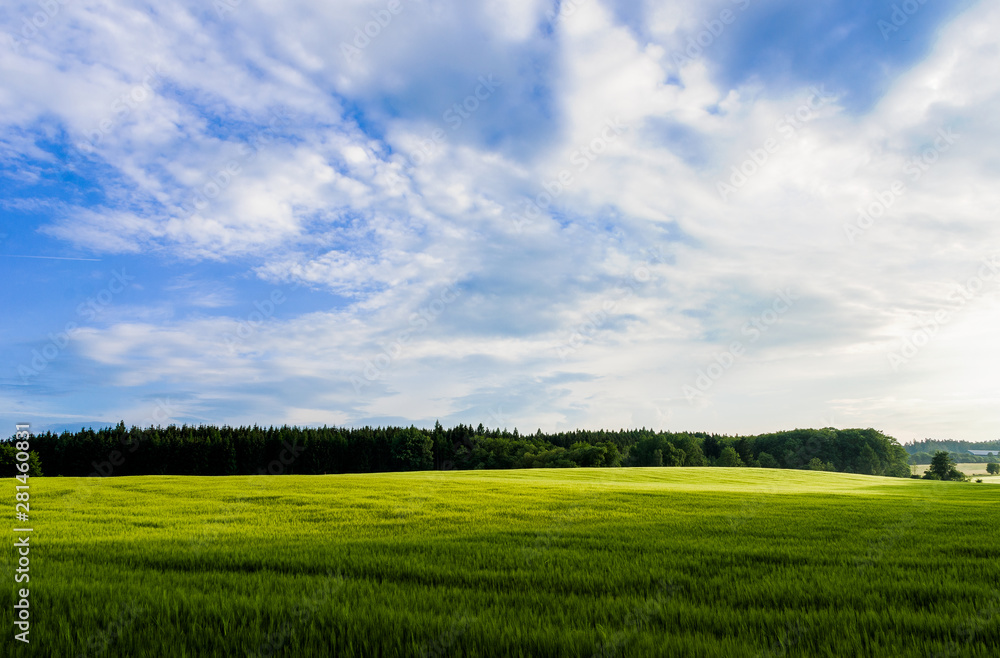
(733, 216)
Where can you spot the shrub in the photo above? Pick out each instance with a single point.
(8, 462)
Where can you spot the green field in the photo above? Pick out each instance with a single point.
(566, 562)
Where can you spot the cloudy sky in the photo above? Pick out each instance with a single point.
(733, 215)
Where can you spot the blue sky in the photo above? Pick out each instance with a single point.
(732, 216)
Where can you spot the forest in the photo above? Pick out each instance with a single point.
(922, 452)
(252, 450)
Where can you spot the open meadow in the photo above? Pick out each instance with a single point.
(563, 562)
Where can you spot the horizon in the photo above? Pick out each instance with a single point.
(60, 429)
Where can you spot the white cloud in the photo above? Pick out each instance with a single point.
(339, 199)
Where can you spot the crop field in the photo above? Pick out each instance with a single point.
(564, 562)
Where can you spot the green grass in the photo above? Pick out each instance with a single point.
(569, 562)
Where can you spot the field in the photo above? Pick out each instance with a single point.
(568, 562)
(976, 470)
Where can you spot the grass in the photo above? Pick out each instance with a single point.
(567, 562)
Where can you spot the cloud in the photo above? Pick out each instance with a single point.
(613, 211)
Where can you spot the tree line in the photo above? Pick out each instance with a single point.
(922, 452)
(251, 450)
